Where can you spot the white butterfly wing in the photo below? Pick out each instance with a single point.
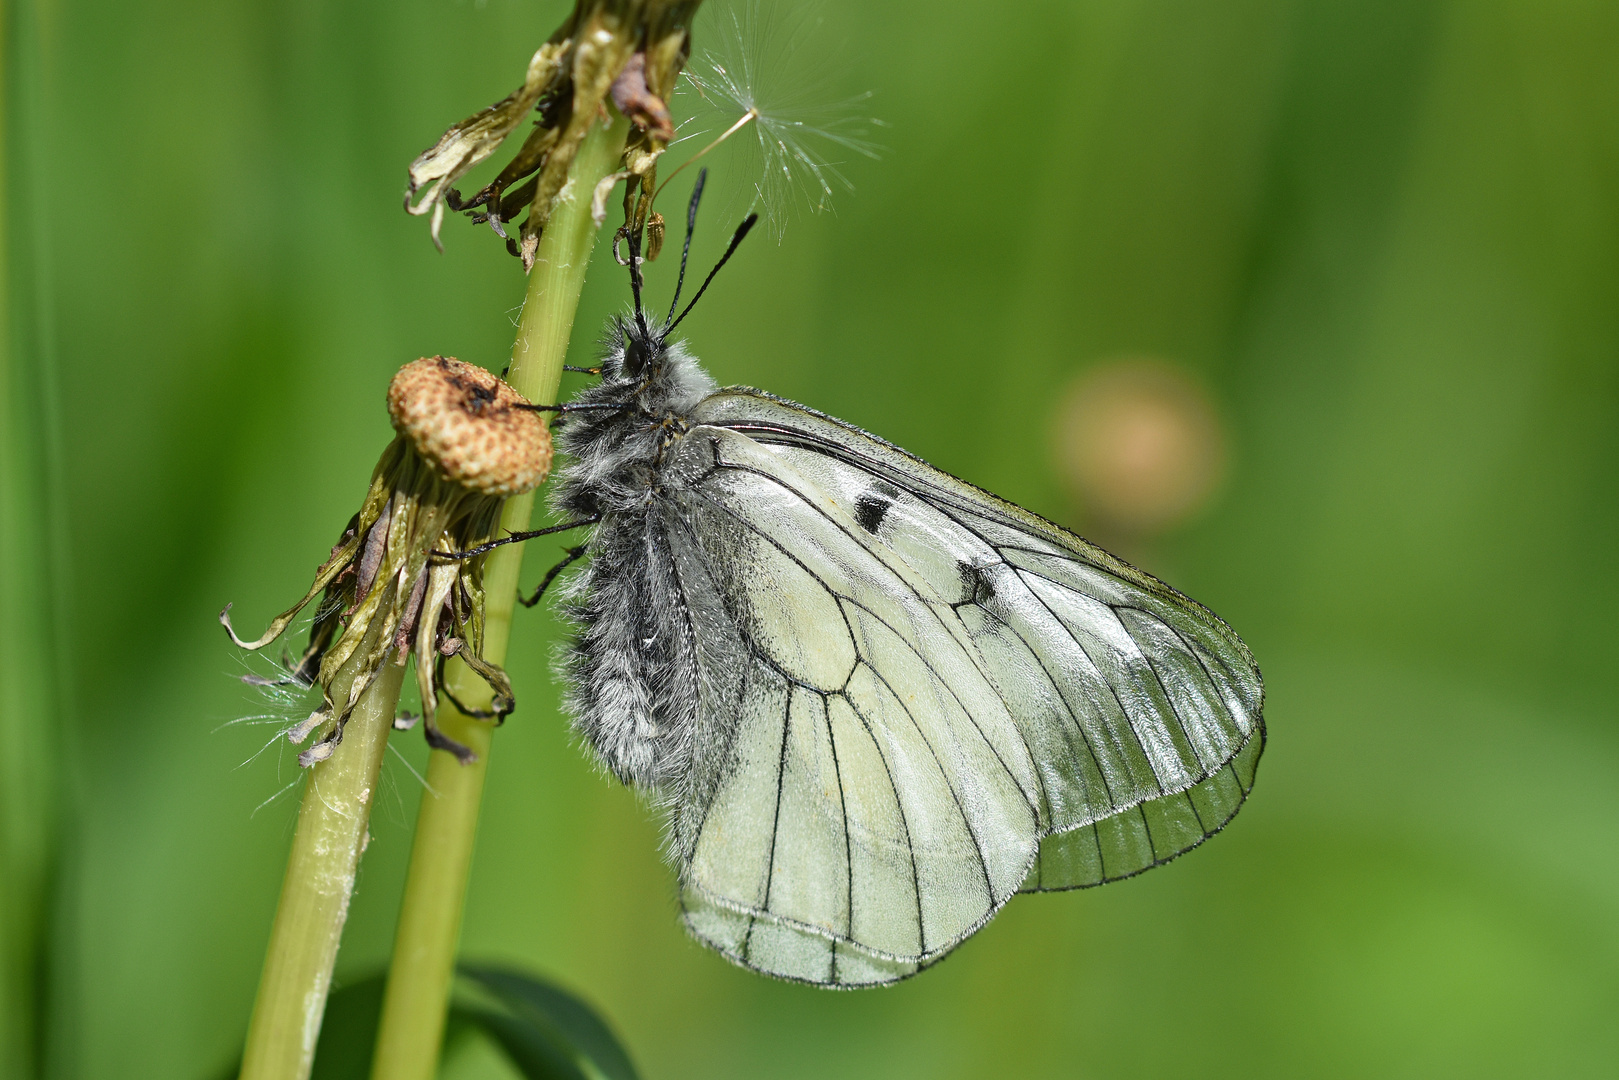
(913, 675)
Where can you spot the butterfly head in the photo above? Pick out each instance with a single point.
(644, 365)
(636, 350)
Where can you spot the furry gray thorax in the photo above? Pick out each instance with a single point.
(631, 665)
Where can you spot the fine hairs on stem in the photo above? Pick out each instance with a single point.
(331, 834)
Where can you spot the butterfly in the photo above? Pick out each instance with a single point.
(872, 701)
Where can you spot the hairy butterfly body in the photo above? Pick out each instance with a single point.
(874, 701)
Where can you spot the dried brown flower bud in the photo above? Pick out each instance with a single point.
(478, 429)
(637, 101)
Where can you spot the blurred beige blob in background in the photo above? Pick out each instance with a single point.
(1139, 445)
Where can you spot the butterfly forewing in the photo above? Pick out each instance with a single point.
(1137, 711)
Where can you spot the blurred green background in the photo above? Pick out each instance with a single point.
(1384, 234)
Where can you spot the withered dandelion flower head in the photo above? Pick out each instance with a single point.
(476, 427)
(391, 589)
(629, 50)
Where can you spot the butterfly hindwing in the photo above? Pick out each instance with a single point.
(1149, 834)
(877, 801)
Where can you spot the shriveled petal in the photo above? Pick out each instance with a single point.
(504, 701)
(636, 101)
(479, 135)
(441, 578)
(328, 572)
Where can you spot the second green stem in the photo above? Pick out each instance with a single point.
(423, 966)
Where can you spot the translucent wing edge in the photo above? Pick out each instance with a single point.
(1245, 786)
(880, 969)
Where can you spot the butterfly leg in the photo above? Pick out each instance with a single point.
(501, 707)
(514, 538)
(572, 407)
(573, 555)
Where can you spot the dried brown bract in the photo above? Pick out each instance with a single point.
(626, 51)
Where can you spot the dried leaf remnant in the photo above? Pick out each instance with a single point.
(627, 52)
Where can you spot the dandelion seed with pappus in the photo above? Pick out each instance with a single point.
(761, 75)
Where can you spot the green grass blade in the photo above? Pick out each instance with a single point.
(33, 680)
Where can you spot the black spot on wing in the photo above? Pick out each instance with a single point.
(975, 585)
(870, 509)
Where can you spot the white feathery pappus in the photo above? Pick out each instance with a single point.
(873, 701)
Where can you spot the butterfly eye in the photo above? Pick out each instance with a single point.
(637, 356)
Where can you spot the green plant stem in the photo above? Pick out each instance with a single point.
(412, 1026)
(331, 834)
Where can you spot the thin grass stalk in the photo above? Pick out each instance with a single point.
(411, 1032)
(35, 705)
(25, 699)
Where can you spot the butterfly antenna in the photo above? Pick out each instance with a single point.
(635, 280)
(736, 241)
(685, 252)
